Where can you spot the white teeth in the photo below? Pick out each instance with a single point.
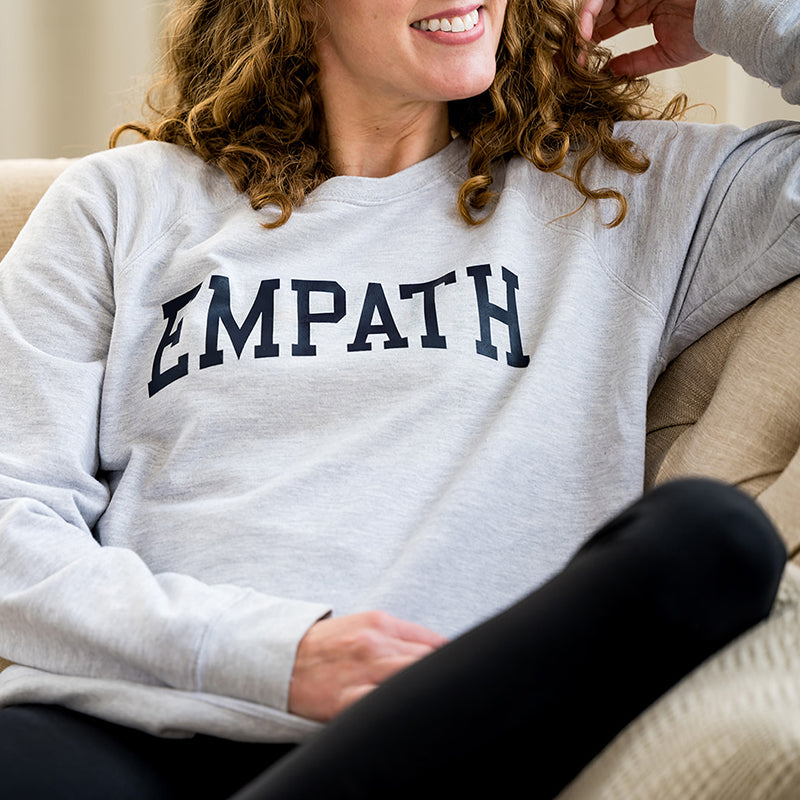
(454, 25)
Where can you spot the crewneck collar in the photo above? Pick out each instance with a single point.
(367, 191)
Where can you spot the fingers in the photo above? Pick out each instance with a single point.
(641, 62)
(378, 669)
(610, 17)
(606, 29)
(339, 660)
(672, 23)
(353, 694)
(409, 631)
(589, 14)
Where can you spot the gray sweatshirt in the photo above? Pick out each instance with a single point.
(212, 434)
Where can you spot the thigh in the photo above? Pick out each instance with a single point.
(532, 695)
(52, 753)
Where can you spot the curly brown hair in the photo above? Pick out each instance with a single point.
(240, 89)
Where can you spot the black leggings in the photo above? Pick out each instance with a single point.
(530, 697)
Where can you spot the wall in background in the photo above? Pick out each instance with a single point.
(72, 70)
(727, 91)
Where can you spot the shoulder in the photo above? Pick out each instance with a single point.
(134, 194)
(686, 158)
(155, 171)
(659, 138)
(696, 149)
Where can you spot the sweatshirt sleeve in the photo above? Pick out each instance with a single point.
(743, 187)
(760, 35)
(67, 604)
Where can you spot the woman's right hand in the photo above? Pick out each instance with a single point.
(673, 27)
(341, 659)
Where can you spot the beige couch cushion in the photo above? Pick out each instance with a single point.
(22, 183)
(729, 407)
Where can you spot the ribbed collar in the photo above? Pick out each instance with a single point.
(368, 191)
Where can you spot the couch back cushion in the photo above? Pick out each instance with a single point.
(729, 407)
(22, 183)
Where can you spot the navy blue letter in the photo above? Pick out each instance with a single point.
(432, 337)
(219, 310)
(487, 311)
(375, 300)
(171, 337)
(304, 316)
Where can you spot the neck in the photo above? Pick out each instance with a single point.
(375, 142)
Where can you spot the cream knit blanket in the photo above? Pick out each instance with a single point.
(729, 731)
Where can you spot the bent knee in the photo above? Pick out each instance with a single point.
(723, 531)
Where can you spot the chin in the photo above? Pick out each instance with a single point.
(468, 86)
(471, 91)
(465, 95)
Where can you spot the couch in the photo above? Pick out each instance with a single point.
(728, 407)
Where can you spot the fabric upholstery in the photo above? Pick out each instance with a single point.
(729, 408)
(22, 183)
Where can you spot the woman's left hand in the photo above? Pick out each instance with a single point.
(673, 27)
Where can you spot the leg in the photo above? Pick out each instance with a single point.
(535, 693)
(51, 753)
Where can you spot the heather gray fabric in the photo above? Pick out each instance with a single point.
(374, 406)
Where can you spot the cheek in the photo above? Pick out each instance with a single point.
(344, 46)
(497, 31)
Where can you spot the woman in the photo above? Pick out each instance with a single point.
(336, 394)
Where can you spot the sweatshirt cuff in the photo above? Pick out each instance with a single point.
(248, 652)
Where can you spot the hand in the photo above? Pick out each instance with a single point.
(340, 660)
(673, 27)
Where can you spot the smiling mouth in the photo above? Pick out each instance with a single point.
(449, 24)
